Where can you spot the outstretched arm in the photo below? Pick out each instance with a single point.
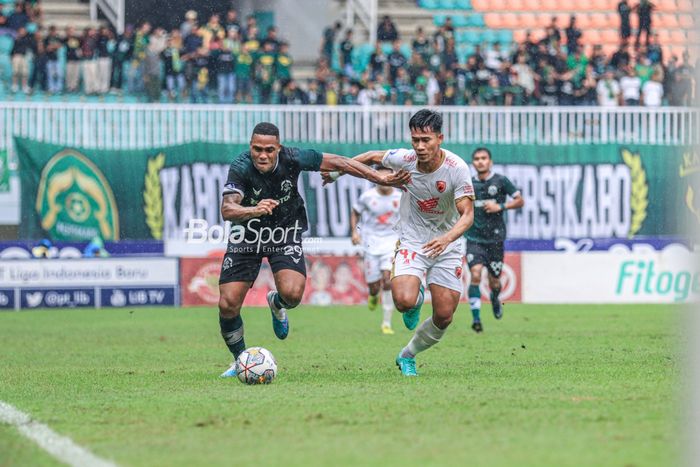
(358, 168)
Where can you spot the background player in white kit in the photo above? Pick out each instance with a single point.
(437, 207)
(377, 211)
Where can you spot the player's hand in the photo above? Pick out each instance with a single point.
(397, 179)
(329, 177)
(436, 246)
(265, 207)
(356, 238)
(492, 208)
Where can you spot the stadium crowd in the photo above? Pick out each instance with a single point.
(224, 61)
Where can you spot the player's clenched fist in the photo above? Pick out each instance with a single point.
(265, 207)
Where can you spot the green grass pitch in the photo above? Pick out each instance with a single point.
(548, 385)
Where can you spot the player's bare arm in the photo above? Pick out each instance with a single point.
(231, 209)
(368, 158)
(465, 207)
(516, 202)
(354, 220)
(346, 165)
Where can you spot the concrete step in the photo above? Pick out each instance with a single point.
(64, 8)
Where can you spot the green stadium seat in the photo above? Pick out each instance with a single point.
(429, 4)
(472, 37)
(464, 4)
(439, 20)
(490, 36)
(460, 21)
(477, 20)
(505, 36)
(447, 4)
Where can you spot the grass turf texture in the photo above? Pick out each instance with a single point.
(548, 385)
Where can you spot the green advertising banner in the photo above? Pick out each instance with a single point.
(4, 172)
(584, 191)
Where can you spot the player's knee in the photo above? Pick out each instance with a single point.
(374, 288)
(442, 321)
(476, 275)
(292, 295)
(404, 301)
(228, 308)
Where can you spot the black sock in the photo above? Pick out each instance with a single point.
(496, 292)
(232, 332)
(280, 303)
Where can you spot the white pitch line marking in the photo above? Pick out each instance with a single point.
(60, 447)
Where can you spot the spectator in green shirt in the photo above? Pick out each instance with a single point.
(265, 73)
(283, 65)
(244, 66)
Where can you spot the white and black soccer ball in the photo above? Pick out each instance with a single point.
(256, 366)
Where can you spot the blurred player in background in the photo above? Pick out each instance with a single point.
(436, 209)
(377, 211)
(262, 200)
(485, 238)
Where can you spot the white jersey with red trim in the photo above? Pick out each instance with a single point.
(428, 207)
(379, 215)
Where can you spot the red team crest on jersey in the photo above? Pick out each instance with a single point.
(458, 272)
(441, 185)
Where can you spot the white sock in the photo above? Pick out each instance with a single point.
(387, 306)
(475, 303)
(426, 336)
(280, 313)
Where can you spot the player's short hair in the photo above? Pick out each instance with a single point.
(266, 128)
(426, 118)
(479, 149)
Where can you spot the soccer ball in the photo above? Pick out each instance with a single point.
(256, 366)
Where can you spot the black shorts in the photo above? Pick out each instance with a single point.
(488, 254)
(242, 262)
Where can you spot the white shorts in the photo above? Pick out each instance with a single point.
(375, 264)
(446, 270)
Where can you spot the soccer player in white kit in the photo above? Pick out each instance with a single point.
(377, 211)
(437, 207)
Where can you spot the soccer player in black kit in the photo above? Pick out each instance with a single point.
(486, 236)
(262, 201)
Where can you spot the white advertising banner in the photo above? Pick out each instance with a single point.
(93, 283)
(618, 276)
(88, 272)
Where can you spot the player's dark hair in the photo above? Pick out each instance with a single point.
(266, 128)
(426, 119)
(486, 150)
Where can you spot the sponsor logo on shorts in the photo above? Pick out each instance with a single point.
(441, 185)
(458, 272)
(228, 263)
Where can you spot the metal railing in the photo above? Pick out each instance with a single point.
(112, 126)
(112, 9)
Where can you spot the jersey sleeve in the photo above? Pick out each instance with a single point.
(360, 204)
(308, 159)
(509, 187)
(236, 181)
(463, 182)
(396, 159)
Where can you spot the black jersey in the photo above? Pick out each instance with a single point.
(490, 228)
(281, 184)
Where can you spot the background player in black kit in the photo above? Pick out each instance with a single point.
(262, 201)
(486, 236)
